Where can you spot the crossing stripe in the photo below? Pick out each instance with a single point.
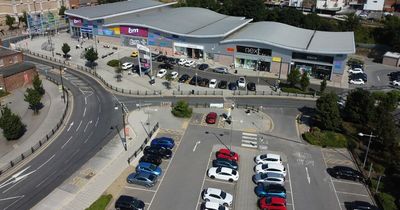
(249, 142)
(249, 134)
(248, 137)
(249, 145)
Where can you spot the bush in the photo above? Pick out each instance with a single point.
(294, 90)
(101, 203)
(325, 138)
(387, 201)
(3, 93)
(182, 109)
(114, 63)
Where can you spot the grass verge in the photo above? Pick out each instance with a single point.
(101, 203)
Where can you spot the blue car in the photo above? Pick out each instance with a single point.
(270, 190)
(148, 168)
(220, 162)
(163, 142)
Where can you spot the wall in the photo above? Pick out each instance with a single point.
(18, 7)
(19, 80)
(390, 61)
(375, 5)
(330, 4)
(11, 59)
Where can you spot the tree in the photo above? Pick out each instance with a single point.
(323, 86)
(65, 49)
(10, 22)
(384, 124)
(182, 109)
(294, 77)
(62, 10)
(91, 56)
(37, 85)
(351, 23)
(254, 9)
(391, 32)
(34, 98)
(11, 124)
(359, 106)
(328, 113)
(304, 81)
(23, 19)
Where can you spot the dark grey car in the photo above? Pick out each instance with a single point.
(144, 179)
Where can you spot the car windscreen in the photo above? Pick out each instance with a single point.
(223, 194)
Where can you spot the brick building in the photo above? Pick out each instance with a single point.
(14, 71)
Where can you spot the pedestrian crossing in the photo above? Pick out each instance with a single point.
(82, 85)
(249, 140)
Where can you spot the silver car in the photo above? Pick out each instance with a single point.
(222, 70)
(269, 178)
(141, 178)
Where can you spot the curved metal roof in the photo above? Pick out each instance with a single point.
(296, 39)
(185, 21)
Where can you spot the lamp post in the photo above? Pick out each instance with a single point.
(123, 123)
(62, 83)
(369, 142)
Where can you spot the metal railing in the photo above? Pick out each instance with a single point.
(144, 143)
(198, 92)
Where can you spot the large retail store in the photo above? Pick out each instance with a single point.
(199, 33)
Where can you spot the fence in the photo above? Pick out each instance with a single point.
(198, 92)
(146, 140)
(41, 142)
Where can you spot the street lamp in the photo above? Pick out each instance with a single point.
(62, 83)
(369, 142)
(123, 123)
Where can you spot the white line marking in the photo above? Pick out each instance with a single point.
(99, 109)
(204, 178)
(136, 188)
(84, 112)
(195, 146)
(379, 79)
(90, 135)
(97, 121)
(355, 183)
(45, 179)
(249, 137)
(249, 134)
(291, 186)
(79, 126)
(85, 101)
(62, 147)
(45, 162)
(98, 99)
(217, 181)
(14, 185)
(347, 193)
(248, 145)
(308, 176)
(334, 189)
(84, 130)
(14, 202)
(70, 125)
(249, 142)
(10, 198)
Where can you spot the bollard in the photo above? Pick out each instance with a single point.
(12, 163)
(32, 150)
(122, 90)
(130, 92)
(22, 156)
(40, 143)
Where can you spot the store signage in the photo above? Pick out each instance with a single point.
(134, 31)
(309, 57)
(185, 45)
(276, 59)
(253, 50)
(312, 57)
(230, 49)
(77, 22)
(133, 41)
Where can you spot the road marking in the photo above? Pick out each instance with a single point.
(204, 178)
(79, 126)
(224, 182)
(291, 187)
(70, 125)
(84, 112)
(347, 193)
(20, 197)
(20, 180)
(136, 188)
(99, 109)
(84, 130)
(85, 101)
(308, 176)
(355, 183)
(16, 178)
(195, 146)
(249, 134)
(45, 162)
(90, 135)
(97, 121)
(98, 99)
(62, 147)
(379, 79)
(334, 189)
(10, 198)
(45, 179)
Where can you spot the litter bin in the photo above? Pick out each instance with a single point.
(192, 92)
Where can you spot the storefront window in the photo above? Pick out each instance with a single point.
(314, 70)
(245, 63)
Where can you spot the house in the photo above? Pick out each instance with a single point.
(391, 59)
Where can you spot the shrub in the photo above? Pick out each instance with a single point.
(387, 201)
(114, 63)
(3, 93)
(182, 109)
(325, 138)
(101, 203)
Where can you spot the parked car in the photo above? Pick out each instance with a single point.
(182, 61)
(144, 179)
(222, 70)
(165, 142)
(227, 154)
(134, 54)
(203, 66)
(126, 65)
(358, 81)
(161, 73)
(154, 56)
(204, 82)
(161, 58)
(359, 205)
(268, 158)
(266, 190)
(362, 76)
(195, 80)
(344, 172)
(221, 162)
(165, 66)
(394, 75)
(211, 118)
(232, 86)
(356, 71)
(270, 167)
(158, 151)
(129, 202)
(241, 82)
(148, 168)
(156, 160)
(251, 86)
(190, 63)
(184, 78)
(212, 206)
(275, 203)
(269, 178)
(213, 83)
(171, 61)
(222, 84)
(356, 65)
(396, 83)
(174, 75)
(217, 196)
(223, 173)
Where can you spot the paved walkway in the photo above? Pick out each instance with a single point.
(38, 126)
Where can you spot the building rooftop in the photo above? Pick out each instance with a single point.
(16, 68)
(185, 21)
(6, 52)
(115, 9)
(293, 38)
(392, 54)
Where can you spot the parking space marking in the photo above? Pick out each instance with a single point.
(334, 189)
(347, 193)
(354, 183)
(213, 180)
(290, 183)
(204, 178)
(137, 188)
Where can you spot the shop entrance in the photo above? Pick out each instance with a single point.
(315, 70)
(188, 51)
(252, 64)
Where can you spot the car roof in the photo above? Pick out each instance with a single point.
(212, 190)
(227, 170)
(163, 138)
(275, 156)
(125, 198)
(211, 205)
(212, 114)
(276, 199)
(275, 165)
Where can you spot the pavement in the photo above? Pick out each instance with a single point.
(37, 126)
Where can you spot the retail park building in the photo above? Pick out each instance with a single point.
(203, 34)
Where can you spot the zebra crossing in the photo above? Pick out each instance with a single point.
(82, 85)
(249, 140)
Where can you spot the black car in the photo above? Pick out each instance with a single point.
(166, 66)
(154, 56)
(195, 80)
(161, 58)
(203, 66)
(158, 151)
(359, 205)
(353, 66)
(362, 76)
(129, 202)
(220, 162)
(222, 84)
(345, 172)
(232, 86)
(171, 61)
(184, 78)
(156, 160)
(394, 75)
(251, 86)
(204, 82)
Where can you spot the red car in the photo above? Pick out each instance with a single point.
(227, 154)
(211, 118)
(272, 203)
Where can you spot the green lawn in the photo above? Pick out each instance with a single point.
(326, 138)
(101, 203)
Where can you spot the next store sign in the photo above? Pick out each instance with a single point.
(134, 31)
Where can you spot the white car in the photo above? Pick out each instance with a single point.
(126, 66)
(223, 173)
(161, 73)
(182, 61)
(269, 178)
(270, 167)
(213, 83)
(190, 63)
(396, 83)
(213, 206)
(268, 158)
(356, 71)
(357, 81)
(217, 196)
(241, 82)
(174, 75)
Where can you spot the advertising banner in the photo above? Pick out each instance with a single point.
(76, 21)
(133, 41)
(134, 31)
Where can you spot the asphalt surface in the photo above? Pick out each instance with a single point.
(87, 131)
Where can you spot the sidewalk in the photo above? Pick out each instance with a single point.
(38, 126)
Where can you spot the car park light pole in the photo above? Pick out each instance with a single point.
(62, 83)
(369, 142)
(123, 123)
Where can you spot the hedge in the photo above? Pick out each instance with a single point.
(113, 63)
(101, 203)
(325, 138)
